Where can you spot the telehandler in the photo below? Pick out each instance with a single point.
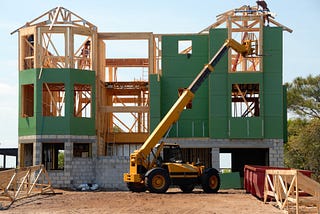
(150, 171)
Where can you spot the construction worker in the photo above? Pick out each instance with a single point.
(265, 10)
(85, 54)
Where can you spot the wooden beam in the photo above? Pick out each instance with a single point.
(125, 36)
(280, 25)
(244, 29)
(121, 137)
(124, 109)
(128, 62)
(129, 100)
(129, 92)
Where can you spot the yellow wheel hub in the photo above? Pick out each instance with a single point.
(158, 181)
(213, 182)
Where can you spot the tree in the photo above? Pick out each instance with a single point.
(292, 155)
(61, 159)
(303, 148)
(303, 96)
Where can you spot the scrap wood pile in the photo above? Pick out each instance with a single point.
(21, 183)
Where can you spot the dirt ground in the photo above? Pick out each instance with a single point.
(174, 201)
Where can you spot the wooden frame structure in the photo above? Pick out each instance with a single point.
(58, 38)
(292, 189)
(21, 183)
(116, 97)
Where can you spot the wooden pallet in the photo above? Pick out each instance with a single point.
(24, 182)
(292, 191)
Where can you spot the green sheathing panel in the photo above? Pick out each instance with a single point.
(154, 101)
(222, 125)
(285, 119)
(178, 71)
(230, 180)
(210, 115)
(218, 88)
(67, 125)
(27, 125)
(273, 89)
(246, 127)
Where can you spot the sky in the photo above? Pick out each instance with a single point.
(300, 48)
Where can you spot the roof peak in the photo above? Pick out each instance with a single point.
(59, 16)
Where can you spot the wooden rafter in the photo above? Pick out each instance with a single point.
(59, 16)
(241, 14)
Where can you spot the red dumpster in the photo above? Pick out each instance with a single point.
(254, 177)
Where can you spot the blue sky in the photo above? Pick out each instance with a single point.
(300, 56)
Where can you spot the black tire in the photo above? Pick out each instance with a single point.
(187, 188)
(210, 181)
(157, 180)
(136, 187)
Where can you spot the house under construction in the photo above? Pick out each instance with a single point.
(80, 118)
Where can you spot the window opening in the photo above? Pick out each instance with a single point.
(82, 51)
(82, 100)
(26, 154)
(225, 162)
(110, 149)
(27, 100)
(185, 46)
(82, 150)
(28, 53)
(246, 64)
(245, 100)
(53, 156)
(53, 99)
(53, 48)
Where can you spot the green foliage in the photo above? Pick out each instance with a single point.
(61, 159)
(303, 148)
(303, 96)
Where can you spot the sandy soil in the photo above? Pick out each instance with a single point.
(174, 201)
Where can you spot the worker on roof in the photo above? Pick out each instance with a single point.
(262, 4)
(265, 10)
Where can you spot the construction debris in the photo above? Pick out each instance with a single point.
(22, 183)
(88, 187)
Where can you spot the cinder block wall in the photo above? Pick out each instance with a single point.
(276, 154)
(109, 172)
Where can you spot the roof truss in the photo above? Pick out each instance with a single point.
(59, 16)
(244, 11)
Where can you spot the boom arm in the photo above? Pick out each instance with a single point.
(138, 159)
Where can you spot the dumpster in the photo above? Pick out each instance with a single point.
(254, 178)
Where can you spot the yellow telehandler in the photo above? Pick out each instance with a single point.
(150, 171)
